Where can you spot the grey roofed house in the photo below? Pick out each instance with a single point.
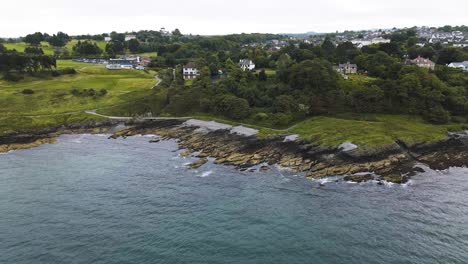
(462, 65)
(247, 64)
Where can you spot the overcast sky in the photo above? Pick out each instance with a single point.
(208, 17)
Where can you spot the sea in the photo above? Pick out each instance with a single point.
(90, 199)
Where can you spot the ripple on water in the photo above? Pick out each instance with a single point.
(124, 201)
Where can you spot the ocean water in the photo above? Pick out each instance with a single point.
(88, 199)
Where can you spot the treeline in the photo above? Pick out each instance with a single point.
(305, 83)
(13, 63)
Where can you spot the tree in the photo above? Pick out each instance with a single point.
(114, 47)
(285, 104)
(86, 48)
(262, 76)
(232, 107)
(451, 54)
(34, 39)
(133, 45)
(33, 50)
(56, 41)
(177, 33)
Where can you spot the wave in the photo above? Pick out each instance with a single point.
(206, 174)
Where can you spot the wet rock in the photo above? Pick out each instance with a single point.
(264, 168)
(400, 179)
(155, 140)
(359, 178)
(197, 164)
(186, 153)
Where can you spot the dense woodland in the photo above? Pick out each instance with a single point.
(305, 83)
(292, 83)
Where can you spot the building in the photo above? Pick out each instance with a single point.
(247, 64)
(190, 71)
(144, 61)
(346, 68)
(122, 63)
(367, 42)
(422, 62)
(107, 39)
(459, 65)
(129, 37)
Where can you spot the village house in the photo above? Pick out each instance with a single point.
(346, 68)
(422, 62)
(367, 42)
(459, 65)
(130, 37)
(190, 71)
(107, 39)
(247, 65)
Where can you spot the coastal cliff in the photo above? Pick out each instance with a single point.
(393, 163)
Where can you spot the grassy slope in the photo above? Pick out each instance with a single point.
(52, 102)
(49, 50)
(383, 130)
(365, 130)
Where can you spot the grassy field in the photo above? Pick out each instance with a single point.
(52, 101)
(365, 130)
(379, 130)
(49, 50)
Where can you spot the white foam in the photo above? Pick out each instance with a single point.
(206, 174)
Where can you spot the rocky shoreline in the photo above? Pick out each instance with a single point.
(394, 163)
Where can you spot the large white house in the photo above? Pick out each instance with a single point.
(460, 65)
(247, 64)
(129, 37)
(367, 42)
(190, 71)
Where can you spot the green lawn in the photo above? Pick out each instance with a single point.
(382, 130)
(365, 130)
(52, 100)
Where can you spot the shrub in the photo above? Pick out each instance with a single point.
(12, 77)
(75, 92)
(27, 91)
(56, 73)
(68, 71)
(438, 115)
(458, 119)
(102, 92)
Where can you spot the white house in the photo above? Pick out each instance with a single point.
(190, 71)
(361, 42)
(107, 39)
(460, 65)
(247, 64)
(129, 37)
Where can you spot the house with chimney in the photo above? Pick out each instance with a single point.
(247, 65)
(190, 71)
(346, 68)
(422, 62)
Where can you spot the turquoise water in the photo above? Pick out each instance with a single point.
(88, 199)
